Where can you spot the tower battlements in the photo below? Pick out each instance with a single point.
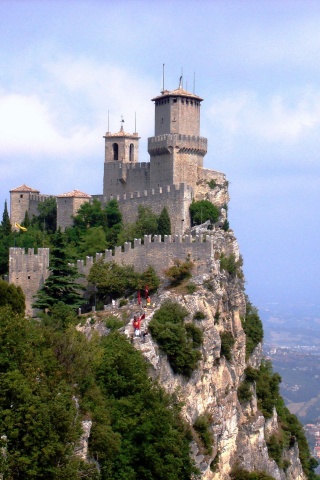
(191, 142)
(29, 271)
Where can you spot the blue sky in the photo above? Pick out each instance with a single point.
(63, 65)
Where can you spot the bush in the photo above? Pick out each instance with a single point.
(225, 225)
(253, 329)
(177, 339)
(227, 342)
(238, 473)
(113, 322)
(212, 184)
(179, 271)
(201, 426)
(191, 288)
(244, 392)
(202, 211)
(231, 265)
(199, 315)
(123, 302)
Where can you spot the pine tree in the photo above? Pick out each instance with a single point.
(6, 225)
(164, 224)
(61, 285)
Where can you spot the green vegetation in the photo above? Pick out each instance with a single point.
(52, 377)
(199, 315)
(227, 343)
(61, 284)
(179, 271)
(252, 327)
(225, 225)
(268, 394)
(114, 281)
(202, 211)
(191, 288)
(238, 473)
(202, 427)
(212, 184)
(12, 296)
(164, 224)
(177, 339)
(231, 265)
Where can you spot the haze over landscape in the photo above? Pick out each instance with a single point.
(63, 65)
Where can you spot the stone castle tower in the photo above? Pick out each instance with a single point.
(173, 177)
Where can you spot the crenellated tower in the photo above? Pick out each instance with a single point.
(177, 149)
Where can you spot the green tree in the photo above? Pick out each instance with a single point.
(153, 441)
(177, 339)
(92, 242)
(61, 284)
(12, 296)
(113, 214)
(5, 224)
(164, 224)
(90, 215)
(202, 211)
(46, 220)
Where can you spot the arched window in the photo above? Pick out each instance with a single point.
(131, 152)
(115, 151)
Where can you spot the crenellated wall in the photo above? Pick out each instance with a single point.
(29, 271)
(157, 253)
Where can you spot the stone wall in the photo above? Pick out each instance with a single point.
(29, 271)
(159, 254)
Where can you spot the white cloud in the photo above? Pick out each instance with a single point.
(26, 126)
(281, 118)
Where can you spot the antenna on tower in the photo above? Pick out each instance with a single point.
(135, 122)
(121, 123)
(108, 123)
(162, 77)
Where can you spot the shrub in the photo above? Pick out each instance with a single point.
(227, 342)
(201, 426)
(179, 271)
(113, 322)
(191, 287)
(231, 265)
(202, 211)
(238, 473)
(123, 302)
(215, 461)
(244, 392)
(253, 328)
(177, 339)
(212, 184)
(199, 315)
(225, 225)
(217, 317)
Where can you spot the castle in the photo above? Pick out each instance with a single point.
(173, 178)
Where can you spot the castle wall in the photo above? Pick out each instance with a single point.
(29, 271)
(176, 198)
(159, 254)
(122, 178)
(35, 199)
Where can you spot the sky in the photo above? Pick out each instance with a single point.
(256, 64)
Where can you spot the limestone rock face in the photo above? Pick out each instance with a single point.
(239, 431)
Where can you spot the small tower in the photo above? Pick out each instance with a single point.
(177, 149)
(121, 151)
(20, 203)
(67, 206)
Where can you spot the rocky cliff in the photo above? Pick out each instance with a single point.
(239, 430)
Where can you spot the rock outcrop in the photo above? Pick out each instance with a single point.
(239, 431)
